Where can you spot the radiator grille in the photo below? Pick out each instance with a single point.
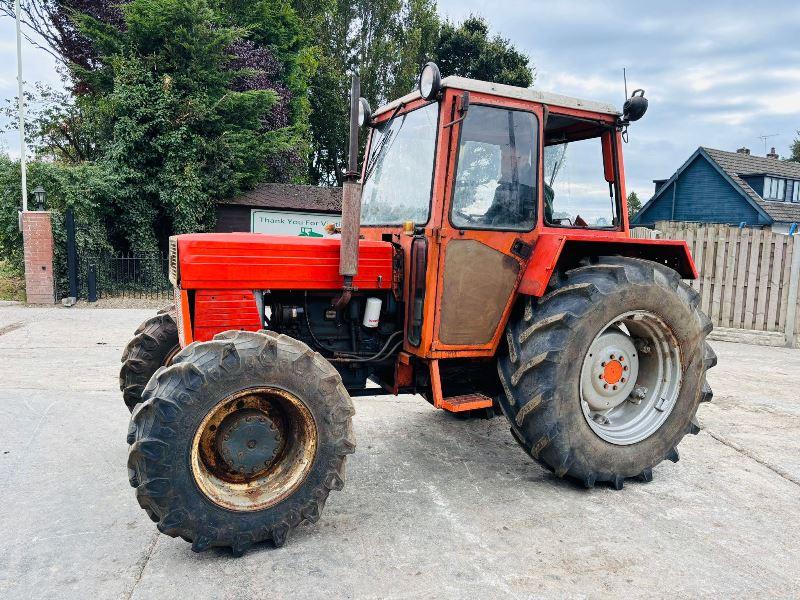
(173, 260)
(179, 316)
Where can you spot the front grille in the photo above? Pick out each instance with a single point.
(179, 317)
(173, 260)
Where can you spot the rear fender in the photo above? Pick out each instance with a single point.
(555, 251)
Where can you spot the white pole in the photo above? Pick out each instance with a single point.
(794, 285)
(22, 161)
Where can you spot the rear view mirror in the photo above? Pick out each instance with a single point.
(634, 107)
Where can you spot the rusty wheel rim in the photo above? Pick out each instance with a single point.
(171, 355)
(253, 449)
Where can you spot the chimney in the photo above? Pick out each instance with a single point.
(773, 154)
(743, 150)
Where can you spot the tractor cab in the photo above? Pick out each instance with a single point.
(467, 176)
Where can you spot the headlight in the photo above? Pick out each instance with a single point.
(364, 112)
(430, 81)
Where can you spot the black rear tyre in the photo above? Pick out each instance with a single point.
(154, 344)
(549, 348)
(291, 415)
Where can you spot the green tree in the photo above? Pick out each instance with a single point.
(634, 205)
(796, 149)
(387, 41)
(57, 125)
(469, 51)
(184, 102)
(176, 132)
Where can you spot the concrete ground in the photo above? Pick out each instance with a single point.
(434, 507)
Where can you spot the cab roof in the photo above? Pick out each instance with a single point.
(509, 91)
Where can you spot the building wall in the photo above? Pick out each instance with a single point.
(236, 218)
(702, 195)
(757, 183)
(232, 218)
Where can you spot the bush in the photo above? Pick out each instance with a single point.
(86, 188)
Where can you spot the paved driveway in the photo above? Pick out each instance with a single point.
(433, 508)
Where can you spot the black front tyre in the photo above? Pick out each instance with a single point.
(154, 344)
(605, 372)
(240, 440)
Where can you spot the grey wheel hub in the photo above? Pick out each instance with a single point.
(613, 367)
(630, 378)
(247, 441)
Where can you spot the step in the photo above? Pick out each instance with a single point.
(466, 402)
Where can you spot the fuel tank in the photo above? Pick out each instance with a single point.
(251, 261)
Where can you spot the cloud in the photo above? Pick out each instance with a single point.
(717, 74)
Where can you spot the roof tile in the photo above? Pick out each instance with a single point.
(291, 197)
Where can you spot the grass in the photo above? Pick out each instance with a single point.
(12, 286)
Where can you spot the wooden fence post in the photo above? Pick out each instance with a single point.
(792, 300)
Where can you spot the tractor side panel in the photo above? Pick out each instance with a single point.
(216, 311)
(477, 284)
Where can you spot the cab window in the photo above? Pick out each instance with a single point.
(495, 185)
(579, 183)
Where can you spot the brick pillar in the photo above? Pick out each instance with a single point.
(37, 236)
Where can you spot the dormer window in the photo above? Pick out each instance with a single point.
(774, 189)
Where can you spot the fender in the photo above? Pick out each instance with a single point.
(557, 250)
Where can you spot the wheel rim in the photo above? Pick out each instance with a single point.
(171, 355)
(253, 449)
(630, 378)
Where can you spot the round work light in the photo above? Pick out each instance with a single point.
(430, 81)
(364, 112)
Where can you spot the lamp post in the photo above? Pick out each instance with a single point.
(21, 108)
(38, 194)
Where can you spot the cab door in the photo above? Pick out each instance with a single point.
(488, 223)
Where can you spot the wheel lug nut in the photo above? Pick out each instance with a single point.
(602, 364)
(615, 387)
(625, 368)
(605, 386)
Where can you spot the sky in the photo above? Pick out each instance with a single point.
(716, 73)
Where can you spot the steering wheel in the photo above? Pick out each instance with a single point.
(466, 217)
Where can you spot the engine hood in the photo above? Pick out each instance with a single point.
(261, 261)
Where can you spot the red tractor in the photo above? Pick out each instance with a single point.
(484, 262)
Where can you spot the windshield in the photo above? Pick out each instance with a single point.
(399, 171)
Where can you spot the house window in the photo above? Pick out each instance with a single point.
(774, 189)
(796, 192)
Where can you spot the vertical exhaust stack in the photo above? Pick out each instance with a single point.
(351, 202)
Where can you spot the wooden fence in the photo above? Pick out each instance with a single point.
(748, 277)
